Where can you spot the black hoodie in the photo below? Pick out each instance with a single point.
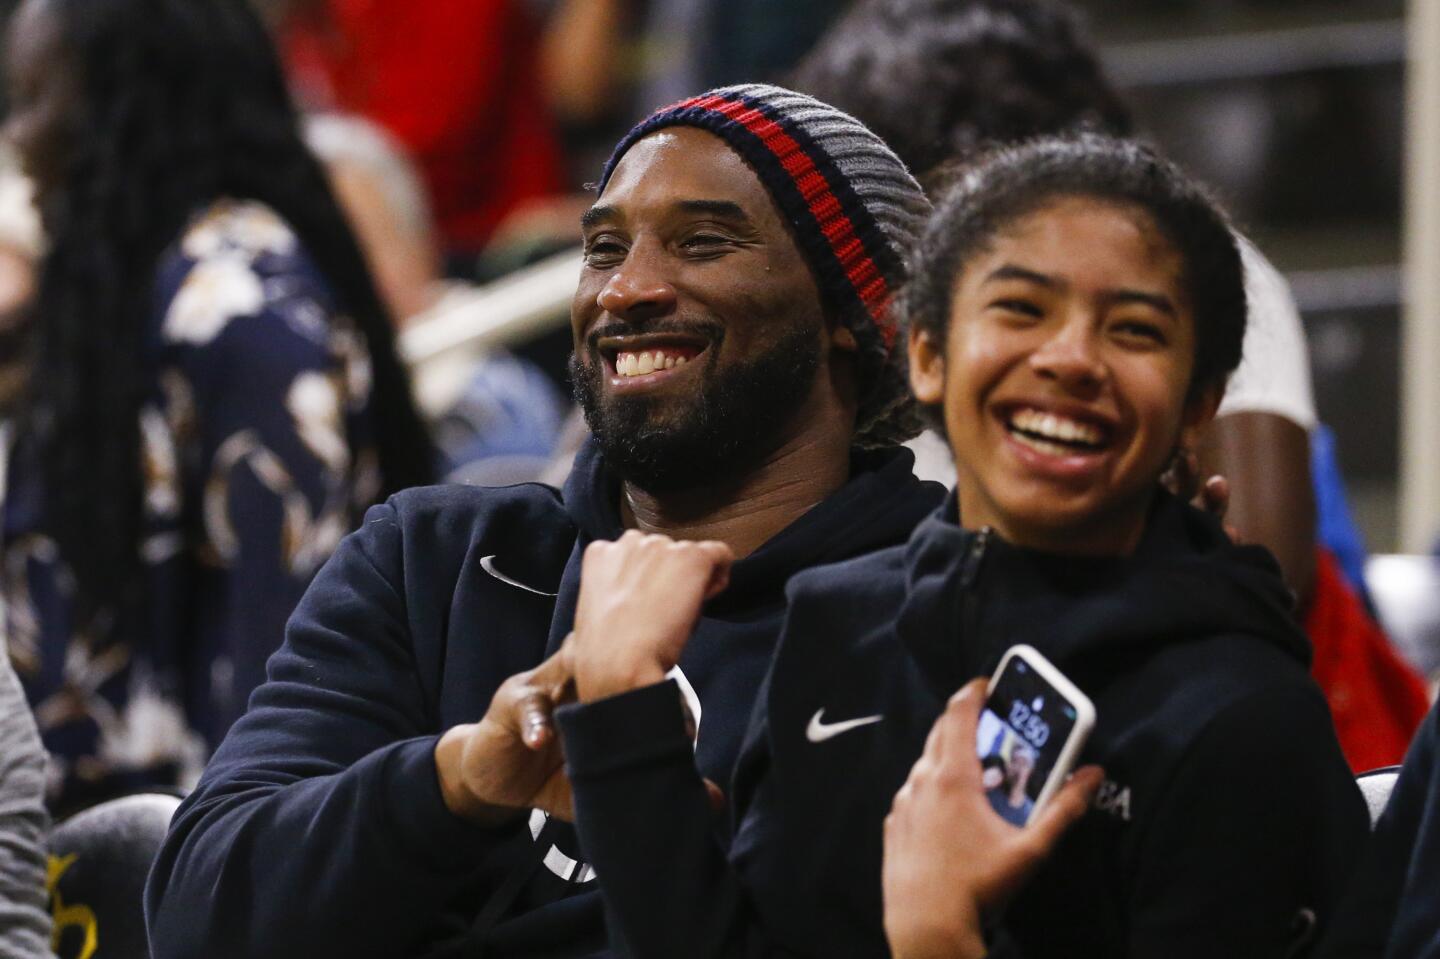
(1227, 824)
(318, 828)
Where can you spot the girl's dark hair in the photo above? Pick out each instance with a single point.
(939, 79)
(1000, 187)
(180, 103)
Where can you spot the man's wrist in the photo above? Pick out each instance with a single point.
(458, 797)
(614, 678)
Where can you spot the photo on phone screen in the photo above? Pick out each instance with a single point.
(1023, 731)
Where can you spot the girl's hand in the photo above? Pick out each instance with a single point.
(639, 599)
(950, 859)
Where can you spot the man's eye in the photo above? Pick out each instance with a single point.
(703, 242)
(603, 251)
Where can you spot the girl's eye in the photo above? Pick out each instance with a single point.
(1024, 308)
(1140, 330)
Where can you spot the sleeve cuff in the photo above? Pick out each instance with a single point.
(636, 728)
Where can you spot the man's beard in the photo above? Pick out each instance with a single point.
(723, 429)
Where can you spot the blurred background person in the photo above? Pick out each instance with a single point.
(939, 79)
(455, 81)
(503, 425)
(213, 393)
(24, 921)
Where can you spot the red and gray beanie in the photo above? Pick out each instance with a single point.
(852, 206)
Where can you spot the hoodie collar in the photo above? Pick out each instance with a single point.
(971, 595)
(878, 507)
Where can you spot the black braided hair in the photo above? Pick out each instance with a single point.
(179, 103)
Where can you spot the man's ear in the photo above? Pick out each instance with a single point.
(1199, 411)
(927, 368)
(843, 338)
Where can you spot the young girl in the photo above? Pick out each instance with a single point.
(1074, 311)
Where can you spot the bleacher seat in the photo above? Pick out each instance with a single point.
(1376, 786)
(99, 859)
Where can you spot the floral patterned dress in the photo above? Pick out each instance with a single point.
(258, 455)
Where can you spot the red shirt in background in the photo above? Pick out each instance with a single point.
(1375, 696)
(455, 81)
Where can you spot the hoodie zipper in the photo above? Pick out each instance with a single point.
(970, 599)
(973, 556)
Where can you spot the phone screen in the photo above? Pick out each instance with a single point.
(1022, 731)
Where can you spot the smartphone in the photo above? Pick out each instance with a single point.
(1033, 725)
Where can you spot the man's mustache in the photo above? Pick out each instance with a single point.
(703, 329)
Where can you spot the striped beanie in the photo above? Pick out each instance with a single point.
(853, 209)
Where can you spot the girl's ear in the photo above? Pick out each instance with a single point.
(927, 368)
(1199, 411)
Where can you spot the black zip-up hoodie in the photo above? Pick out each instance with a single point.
(318, 828)
(1226, 827)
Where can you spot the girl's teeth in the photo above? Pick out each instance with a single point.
(1055, 427)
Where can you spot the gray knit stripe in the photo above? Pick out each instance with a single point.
(873, 170)
(24, 918)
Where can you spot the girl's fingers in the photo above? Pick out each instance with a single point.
(1064, 810)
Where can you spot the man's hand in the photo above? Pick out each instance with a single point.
(1212, 496)
(639, 599)
(493, 771)
(950, 859)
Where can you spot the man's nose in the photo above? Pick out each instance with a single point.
(639, 288)
(1071, 358)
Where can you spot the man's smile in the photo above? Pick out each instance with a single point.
(642, 362)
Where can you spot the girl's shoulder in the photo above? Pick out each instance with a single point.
(863, 580)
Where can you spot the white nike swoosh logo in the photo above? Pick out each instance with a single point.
(487, 563)
(818, 732)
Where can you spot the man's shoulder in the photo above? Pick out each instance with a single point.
(455, 519)
(458, 502)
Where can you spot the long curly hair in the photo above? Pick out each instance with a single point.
(179, 103)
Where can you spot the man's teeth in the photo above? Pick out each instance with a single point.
(649, 361)
(1043, 427)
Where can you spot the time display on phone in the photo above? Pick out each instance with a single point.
(1029, 723)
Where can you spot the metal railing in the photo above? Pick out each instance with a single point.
(443, 344)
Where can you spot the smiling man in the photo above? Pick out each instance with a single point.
(733, 354)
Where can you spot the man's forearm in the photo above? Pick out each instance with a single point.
(631, 763)
(356, 863)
